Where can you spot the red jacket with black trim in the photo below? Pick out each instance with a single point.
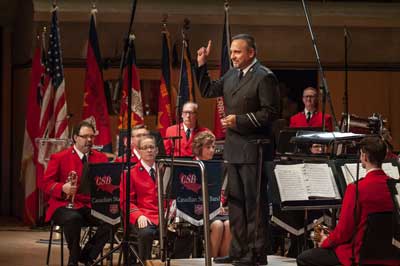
(300, 120)
(56, 175)
(143, 195)
(374, 196)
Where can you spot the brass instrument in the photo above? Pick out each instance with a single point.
(316, 234)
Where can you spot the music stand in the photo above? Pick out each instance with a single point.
(394, 188)
(162, 189)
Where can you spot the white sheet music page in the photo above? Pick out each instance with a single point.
(290, 182)
(350, 172)
(318, 179)
(390, 170)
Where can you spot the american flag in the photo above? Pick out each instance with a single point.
(53, 121)
(53, 118)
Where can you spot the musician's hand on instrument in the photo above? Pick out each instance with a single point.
(69, 189)
(203, 53)
(143, 221)
(323, 237)
(229, 121)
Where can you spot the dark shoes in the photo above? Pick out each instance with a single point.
(244, 262)
(224, 260)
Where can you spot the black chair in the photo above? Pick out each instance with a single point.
(377, 247)
(86, 235)
(52, 226)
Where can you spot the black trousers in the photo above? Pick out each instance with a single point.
(318, 257)
(72, 220)
(242, 195)
(182, 245)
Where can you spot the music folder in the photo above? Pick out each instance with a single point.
(303, 184)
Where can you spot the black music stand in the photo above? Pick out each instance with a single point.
(317, 203)
(394, 188)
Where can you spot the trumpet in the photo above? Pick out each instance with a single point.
(319, 228)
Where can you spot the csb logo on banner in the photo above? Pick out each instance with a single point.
(187, 188)
(104, 181)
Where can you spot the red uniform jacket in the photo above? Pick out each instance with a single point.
(374, 196)
(134, 158)
(56, 175)
(300, 120)
(186, 145)
(143, 195)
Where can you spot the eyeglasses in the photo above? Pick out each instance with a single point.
(140, 135)
(87, 136)
(149, 147)
(309, 96)
(189, 113)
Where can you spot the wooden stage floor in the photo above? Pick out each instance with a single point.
(21, 246)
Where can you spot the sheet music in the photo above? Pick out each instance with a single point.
(349, 171)
(290, 182)
(302, 181)
(390, 170)
(318, 179)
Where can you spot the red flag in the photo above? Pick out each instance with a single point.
(94, 101)
(137, 106)
(29, 153)
(219, 131)
(164, 103)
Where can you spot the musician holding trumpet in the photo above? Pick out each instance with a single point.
(335, 248)
(68, 205)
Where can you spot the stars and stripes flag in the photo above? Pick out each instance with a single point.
(53, 121)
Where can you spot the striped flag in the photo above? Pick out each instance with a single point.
(219, 131)
(137, 103)
(186, 88)
(53, 121)
(94, 101)
(164, 103)
(29, 153)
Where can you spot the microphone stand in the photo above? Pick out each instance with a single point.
(324, 85)
(127, 57)
(346, 89)
(164, 244)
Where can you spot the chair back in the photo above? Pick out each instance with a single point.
(377, 247)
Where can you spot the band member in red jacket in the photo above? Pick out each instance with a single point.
(188, 129)
(311, 117)
(143, 196)
(68, 206)
(374, 196)
(138, 131)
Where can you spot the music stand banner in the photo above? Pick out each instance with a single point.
(104, 179)
(187, 185)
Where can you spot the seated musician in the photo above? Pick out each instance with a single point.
(220, 236)
(188, 129)
(144, 201)
(374, 196)
(311, 117)
(143, 209)
(61, 183)
(137, 132)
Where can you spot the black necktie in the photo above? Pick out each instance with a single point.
(153, 174)
(240, 74)
(188, 134)
(84, 159)
(308, 116)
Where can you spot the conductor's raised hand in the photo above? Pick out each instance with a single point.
(203, 53)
